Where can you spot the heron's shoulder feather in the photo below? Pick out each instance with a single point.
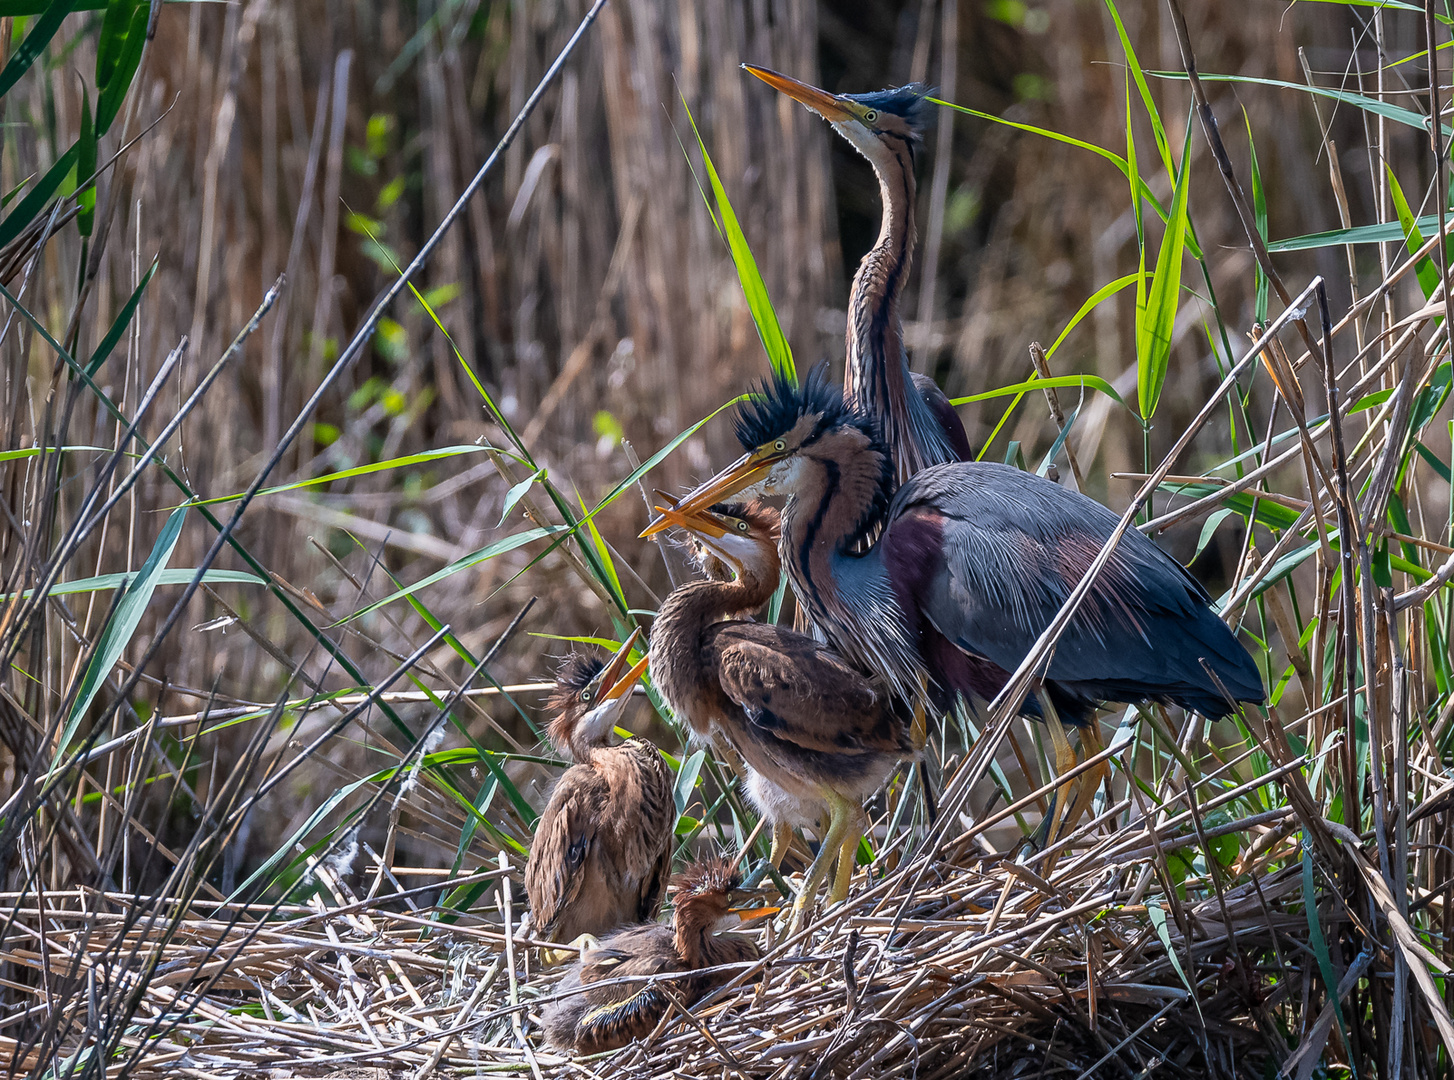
(802, 692)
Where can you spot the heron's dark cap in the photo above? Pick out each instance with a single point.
(907, 102)
(776, 405)
(574, 674)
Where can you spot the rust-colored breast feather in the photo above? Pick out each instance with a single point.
(802, 692)
(602, 850)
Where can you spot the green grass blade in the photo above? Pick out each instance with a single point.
(35, 199)
(36, 451)
(122, 625)
(1090, 305)
(106, 582)
(86, 169)
(361, 470)
(1407, 117)
(1382, 233)
(127, 56)
(1163, 932)
(1425, 270)
(122, 321)
(686, 782)
(779, 353)
(517, 492)
(34, 44)
(112, 40)
(1146, 99)
(1095, 382)
(489, 551)
(1100, 151)
(1259, 211)
(303, 830)
(1153, 332)
(1326, 971)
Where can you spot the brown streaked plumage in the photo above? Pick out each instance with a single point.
(969, 564)
(917, 421)
(618, 1003)
(817, 736)
(602, 850)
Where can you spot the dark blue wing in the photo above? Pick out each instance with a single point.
(989, 554)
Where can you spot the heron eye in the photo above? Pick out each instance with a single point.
(870, 116)
(742, 526)
(586, 696)
(780, 445)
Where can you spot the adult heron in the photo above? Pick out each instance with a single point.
(948, 582)
(915, 418)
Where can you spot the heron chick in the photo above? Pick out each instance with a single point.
(609, 998)
(817, 736)
(602, 851)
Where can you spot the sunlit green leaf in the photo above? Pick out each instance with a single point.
(779, 353)
(1154, 329)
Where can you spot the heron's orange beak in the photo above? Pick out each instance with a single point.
(742, 473)
(613, 682)
(748, 915)
(703, 522)
(826, 105)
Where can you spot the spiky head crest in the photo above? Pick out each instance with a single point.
(574, 674)
(711, 876)
(776, 405)
(906, 102)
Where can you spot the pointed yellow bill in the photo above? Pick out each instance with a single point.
(826, 105)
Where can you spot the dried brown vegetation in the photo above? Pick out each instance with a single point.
(270, 747)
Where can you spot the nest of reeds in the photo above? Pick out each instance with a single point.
(942, 968)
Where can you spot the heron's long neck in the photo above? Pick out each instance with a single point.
(698, 943)
(878, 365)
(678, 666)
(844, 589)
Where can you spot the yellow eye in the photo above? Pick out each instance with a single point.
(742, 526)
(586, 696)
(779, 445)
(870, 116)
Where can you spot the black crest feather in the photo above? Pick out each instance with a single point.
(903, 101)
(776, 405)
(574, 674)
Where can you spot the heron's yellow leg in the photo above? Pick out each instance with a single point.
(919, 726)
(842, 816)
(847, 860)
(1087, 785)
(782, 836)
(1065, 760)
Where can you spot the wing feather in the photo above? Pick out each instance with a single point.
(801, 691)
(990, 553)
(562, 848)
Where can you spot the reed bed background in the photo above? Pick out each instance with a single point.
(272, 828)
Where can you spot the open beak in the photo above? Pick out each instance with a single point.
(619, 674)
(826, 105)
(742, 473)
(751, 915)
(705, 523)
